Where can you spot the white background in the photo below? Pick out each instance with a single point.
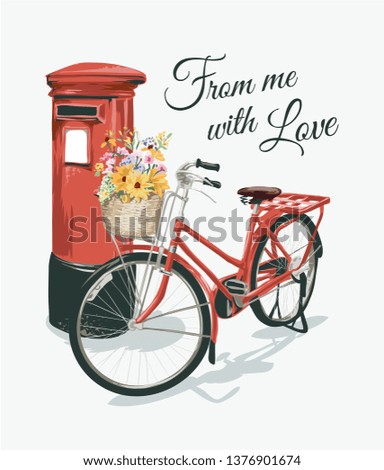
(322, 390)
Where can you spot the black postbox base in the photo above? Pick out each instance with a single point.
(65, 283)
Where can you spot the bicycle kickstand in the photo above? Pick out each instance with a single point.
(304, 324)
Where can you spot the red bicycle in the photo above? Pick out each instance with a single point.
(148, 316)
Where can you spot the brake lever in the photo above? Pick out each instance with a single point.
(205, 194)
(190, 173)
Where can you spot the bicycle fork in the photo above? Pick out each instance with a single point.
(167, 272)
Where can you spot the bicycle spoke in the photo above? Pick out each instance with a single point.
(113, 333)
(140, 290)
(92, 315)
(116, 366)
(169, 358)
(106, 310)
(148, 284)
(125, 268)
(129, 302)
(99, 297)
(181, 300)
(128, 287)
(129, 366)
(182, 348)
(105, 359)
(152, 371)
(114, 303)
(178, 352)
(172, 293)
(175, 311)
(180, 332)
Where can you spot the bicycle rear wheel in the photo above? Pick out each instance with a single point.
(146, 358)
(281, 306)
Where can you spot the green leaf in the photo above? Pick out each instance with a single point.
(97, 173)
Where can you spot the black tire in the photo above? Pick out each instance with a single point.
(264, 314)
(81, 333)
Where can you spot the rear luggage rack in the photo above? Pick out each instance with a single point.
(295, 203)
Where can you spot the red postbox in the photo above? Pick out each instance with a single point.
(89, 99)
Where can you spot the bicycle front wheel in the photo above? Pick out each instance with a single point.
(281, 305)
(145, 358)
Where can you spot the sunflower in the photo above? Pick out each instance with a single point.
(120, 178)
(138, 185)
(109, 139)
(158, 181)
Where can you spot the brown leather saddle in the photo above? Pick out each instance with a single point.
(258, 193)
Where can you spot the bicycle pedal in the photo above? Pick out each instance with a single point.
(236, 287)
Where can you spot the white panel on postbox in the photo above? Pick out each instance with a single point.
(76, 146)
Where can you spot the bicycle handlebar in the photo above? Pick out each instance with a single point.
(207, 165)
(214, 184)
(186, 178)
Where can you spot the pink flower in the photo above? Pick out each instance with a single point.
(110, 165)
(106, 156)
(122, 151)
(162, 167)
(137, 154)
(148, 158)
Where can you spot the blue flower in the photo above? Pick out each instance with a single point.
(126, 161)
(150, 143)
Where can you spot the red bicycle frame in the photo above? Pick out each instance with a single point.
(260, 226)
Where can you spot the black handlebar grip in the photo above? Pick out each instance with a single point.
(214, 184)
(207, 165)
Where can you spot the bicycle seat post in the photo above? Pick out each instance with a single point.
(256, 205)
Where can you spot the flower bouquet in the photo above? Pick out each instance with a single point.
(133, 181)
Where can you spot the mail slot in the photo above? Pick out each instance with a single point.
(75, 112)
(88, 100)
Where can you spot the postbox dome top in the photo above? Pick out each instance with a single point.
(88, 78)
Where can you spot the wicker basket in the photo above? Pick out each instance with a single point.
(132, 219)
